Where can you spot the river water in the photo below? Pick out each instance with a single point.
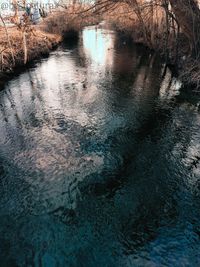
(99, 160)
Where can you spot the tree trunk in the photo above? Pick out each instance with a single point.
(25, 47)
(188, 16)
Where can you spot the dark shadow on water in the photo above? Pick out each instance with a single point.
(70, 43)
(92, 169)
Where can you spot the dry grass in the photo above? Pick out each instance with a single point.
(146, 24)
(152, 22)
(64, 20)
(165, 39)
(38, 42)
(39, 39)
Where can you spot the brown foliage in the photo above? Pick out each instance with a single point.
(37, 43)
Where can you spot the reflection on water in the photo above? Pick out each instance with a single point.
(99, 161)
(99, 47)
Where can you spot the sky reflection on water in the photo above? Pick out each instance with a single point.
(99, 160)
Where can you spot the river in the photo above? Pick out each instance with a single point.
(99, 160)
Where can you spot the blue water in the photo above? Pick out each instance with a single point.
(99, 160)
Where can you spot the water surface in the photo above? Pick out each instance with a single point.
(99, 160)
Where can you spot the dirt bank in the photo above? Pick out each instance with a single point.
(38, 43)
(150, 27)
(21, 44)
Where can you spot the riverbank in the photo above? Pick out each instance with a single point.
(38, 43)
(22, 44)
(148, 26)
